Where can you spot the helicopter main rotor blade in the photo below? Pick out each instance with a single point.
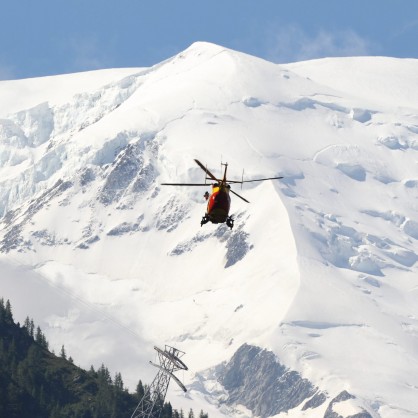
(184, 184)
(249, 181)
(206, 170)
(236, 194)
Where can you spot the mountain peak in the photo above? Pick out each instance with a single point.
(201, 46)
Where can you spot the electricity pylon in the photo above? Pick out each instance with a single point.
(151, 404)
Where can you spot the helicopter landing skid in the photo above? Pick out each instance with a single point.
(229, 221)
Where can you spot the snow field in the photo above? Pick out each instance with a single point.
(320, 267)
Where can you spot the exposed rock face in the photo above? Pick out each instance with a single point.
(14, 222)
(317, 400)
(131, 171)
(343, 396)
(255, 379)
(237, 246)
(236, 242)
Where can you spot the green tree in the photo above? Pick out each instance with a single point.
(26, 325)
(140, 391)
(9, 315)
(167, 411)
(63, 354)
(104, 375)
(118, 382)
(40, 338)
(6, 315)
(32, 328)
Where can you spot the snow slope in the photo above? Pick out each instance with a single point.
(320, 267)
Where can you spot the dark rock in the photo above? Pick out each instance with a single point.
(123, 172)
(12, 239)
(255, 378)
(237, 247)
(317, 400)
(343, 396)
(87, 176)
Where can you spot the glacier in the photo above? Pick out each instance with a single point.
(318, 278)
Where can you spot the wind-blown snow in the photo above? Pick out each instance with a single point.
(320, 268)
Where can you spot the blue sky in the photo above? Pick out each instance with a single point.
(47, 37)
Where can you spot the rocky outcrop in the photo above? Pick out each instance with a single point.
(343, 396)
(256, 379)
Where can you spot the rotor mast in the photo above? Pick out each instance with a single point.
(224, 180)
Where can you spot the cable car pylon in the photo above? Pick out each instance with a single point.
(151, 404)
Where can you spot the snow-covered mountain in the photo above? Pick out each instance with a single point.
(307, 308)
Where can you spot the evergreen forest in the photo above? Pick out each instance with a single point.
(36, 383)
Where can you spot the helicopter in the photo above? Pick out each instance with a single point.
(219, 201)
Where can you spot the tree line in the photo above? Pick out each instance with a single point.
(36, 383)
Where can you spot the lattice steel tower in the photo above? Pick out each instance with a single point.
(151, 404)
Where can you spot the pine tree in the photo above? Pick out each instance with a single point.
(40, 338)
(9, 315)
(26, 325)
(31, 328)
(140, 391)
(167, 411)
(104, 375)
(118, 383)
(92, 372)
(1, 310)
(63, 353)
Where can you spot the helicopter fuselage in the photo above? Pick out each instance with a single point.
(219, 203)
